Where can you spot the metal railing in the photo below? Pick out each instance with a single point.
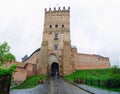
(109, 83)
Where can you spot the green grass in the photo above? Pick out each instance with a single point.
(30, 82)
(95, 74)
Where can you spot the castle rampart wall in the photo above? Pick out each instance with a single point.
(87, 61)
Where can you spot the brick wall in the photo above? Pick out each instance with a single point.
(20, 74)
(87, 61)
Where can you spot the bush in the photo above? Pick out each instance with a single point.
(115, 70)
(8, 71)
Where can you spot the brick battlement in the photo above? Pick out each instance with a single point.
(56, 11)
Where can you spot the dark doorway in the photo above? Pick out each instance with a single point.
(54, 69)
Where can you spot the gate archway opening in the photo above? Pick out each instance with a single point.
(55, 69)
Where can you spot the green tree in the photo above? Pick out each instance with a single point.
(115, 69)
(5, 54)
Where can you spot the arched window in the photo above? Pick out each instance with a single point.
(56, 26)
(50, 26)
(62, 26)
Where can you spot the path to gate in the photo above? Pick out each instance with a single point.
(53, 85)
(59, 86)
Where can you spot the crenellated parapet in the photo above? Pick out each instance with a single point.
(57, 19)
(59, 9)
(56, 11)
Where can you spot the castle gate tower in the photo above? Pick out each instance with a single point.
(55, 53)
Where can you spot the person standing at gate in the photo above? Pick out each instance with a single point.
(56, 73)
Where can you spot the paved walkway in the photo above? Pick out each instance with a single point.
(97, 90)
(59, 86)
(52, 86)
(37, 90)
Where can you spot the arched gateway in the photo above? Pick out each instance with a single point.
(54, 69)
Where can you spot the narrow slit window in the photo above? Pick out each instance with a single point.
(55, 47)
(56, 37)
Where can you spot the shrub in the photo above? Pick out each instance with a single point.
(115, 70)
(8, 71)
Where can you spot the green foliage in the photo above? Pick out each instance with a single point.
(30, 82)
(115, 70)
(8, 71)
(5, 54)
(10, 56)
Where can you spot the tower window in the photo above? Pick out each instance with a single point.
(50, 26)
(56, 26)
(62, 26)
(56, 37)
(55, 47)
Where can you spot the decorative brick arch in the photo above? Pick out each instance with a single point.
(57, 59)
(52, 58)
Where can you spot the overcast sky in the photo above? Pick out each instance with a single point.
(95, 25)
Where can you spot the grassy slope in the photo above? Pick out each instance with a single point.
(30, 82)
(102, 74)
(95, 74)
